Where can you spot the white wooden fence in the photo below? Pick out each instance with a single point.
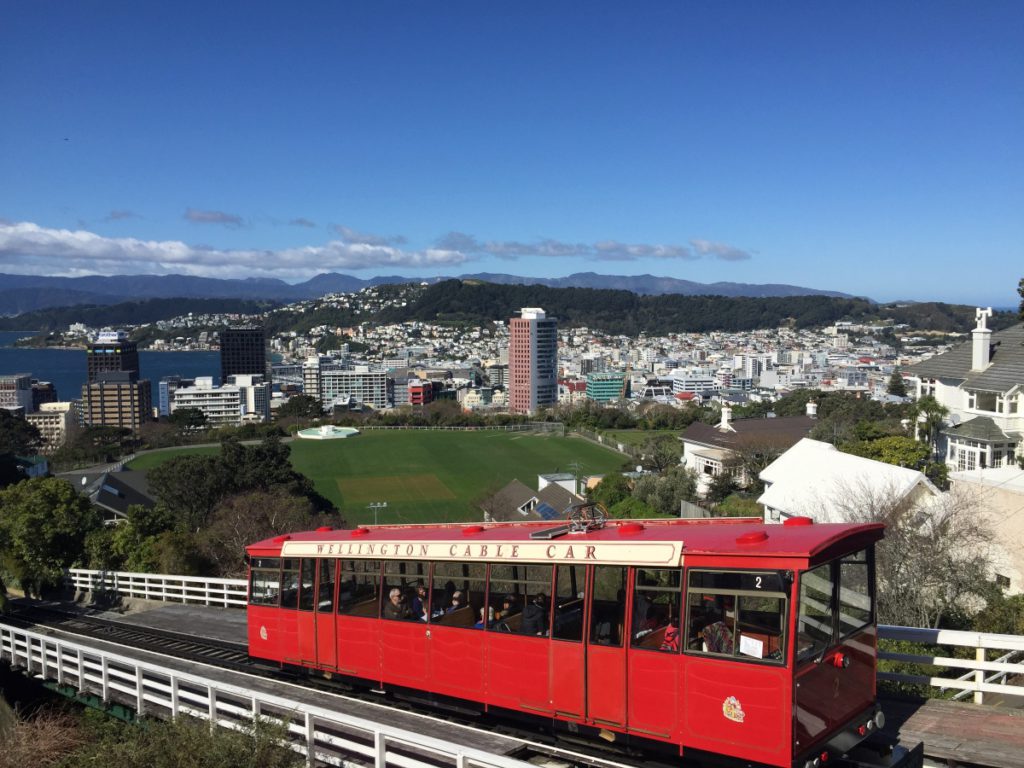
(324, 736)
(997, 666)
(1002, 675)
(224, 593)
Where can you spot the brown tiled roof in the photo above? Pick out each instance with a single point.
(782, 432)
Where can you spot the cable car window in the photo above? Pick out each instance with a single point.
(359, 588)
(325, 601)
(608, 609)
(855, 599)
(657, 594)
(290, 583)
(265, 581)
(457, 594)
(737, 614)
(517, 599)
(405, 590)
(815, 622)
(307, 590)
(570, 584)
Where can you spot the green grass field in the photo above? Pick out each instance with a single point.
(155, 459)
(427, 476)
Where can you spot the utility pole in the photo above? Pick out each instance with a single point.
(375, 506)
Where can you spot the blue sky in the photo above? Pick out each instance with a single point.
(874, 148)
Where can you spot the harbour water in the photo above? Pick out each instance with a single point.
(65, 368)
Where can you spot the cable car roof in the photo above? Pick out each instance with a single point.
(652, 542)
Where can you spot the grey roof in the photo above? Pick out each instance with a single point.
(556, 496)
(1005, 370)
(783, 432)
(504, 505)
(978, 428)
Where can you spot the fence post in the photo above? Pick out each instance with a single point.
(979, 676)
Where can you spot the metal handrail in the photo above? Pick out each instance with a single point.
(323, 735)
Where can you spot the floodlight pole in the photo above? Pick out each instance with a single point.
(375, 506)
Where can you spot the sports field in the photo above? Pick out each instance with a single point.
(430, 476)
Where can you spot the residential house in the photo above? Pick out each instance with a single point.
(710, 450)
(981, 382)
(815, 479)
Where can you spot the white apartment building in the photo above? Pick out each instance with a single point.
(254, 395)
(55, 422)
(695, 380)
(368, 386)
(222, 406)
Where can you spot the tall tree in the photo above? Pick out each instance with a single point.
(897, 387)
(928, 415)
(17, 436)
(43, 525)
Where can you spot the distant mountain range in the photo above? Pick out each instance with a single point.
(25, 293)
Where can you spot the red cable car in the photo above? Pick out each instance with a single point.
(714, 638)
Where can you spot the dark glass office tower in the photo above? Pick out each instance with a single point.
(112, 351)
(243, 350)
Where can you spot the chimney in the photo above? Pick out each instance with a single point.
(812, 409)
(981, 353)
(724, 424)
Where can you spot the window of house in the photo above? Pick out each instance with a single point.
(985, 401)
(1003, 582)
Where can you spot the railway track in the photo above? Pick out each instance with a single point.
(547, 749)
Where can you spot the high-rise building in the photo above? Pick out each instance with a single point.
(373, 387)
(166, 388)
(243, 349)
(117, 399)
(16, 392)
(607, 387)
(114, 395)
(42, 392)
(112, 351)
(532, 361)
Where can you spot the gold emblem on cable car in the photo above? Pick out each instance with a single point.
(733, 710)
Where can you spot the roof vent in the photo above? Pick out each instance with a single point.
(323, 529)
(472, 530)
(630, 529)
(281, 539)
(749, 539)
(360, 531)
(798, 520)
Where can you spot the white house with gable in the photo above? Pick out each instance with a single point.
(815, 479)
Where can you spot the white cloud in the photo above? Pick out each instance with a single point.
(720, 250)
(612, 250)
(28, 248)
(353, 237)
(198, 216)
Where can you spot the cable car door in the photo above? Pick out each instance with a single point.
(326, 624)
(306, 615)
(568, 652)
(606, 653)
(654, 643)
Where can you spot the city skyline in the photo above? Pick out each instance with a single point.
(872, 150)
